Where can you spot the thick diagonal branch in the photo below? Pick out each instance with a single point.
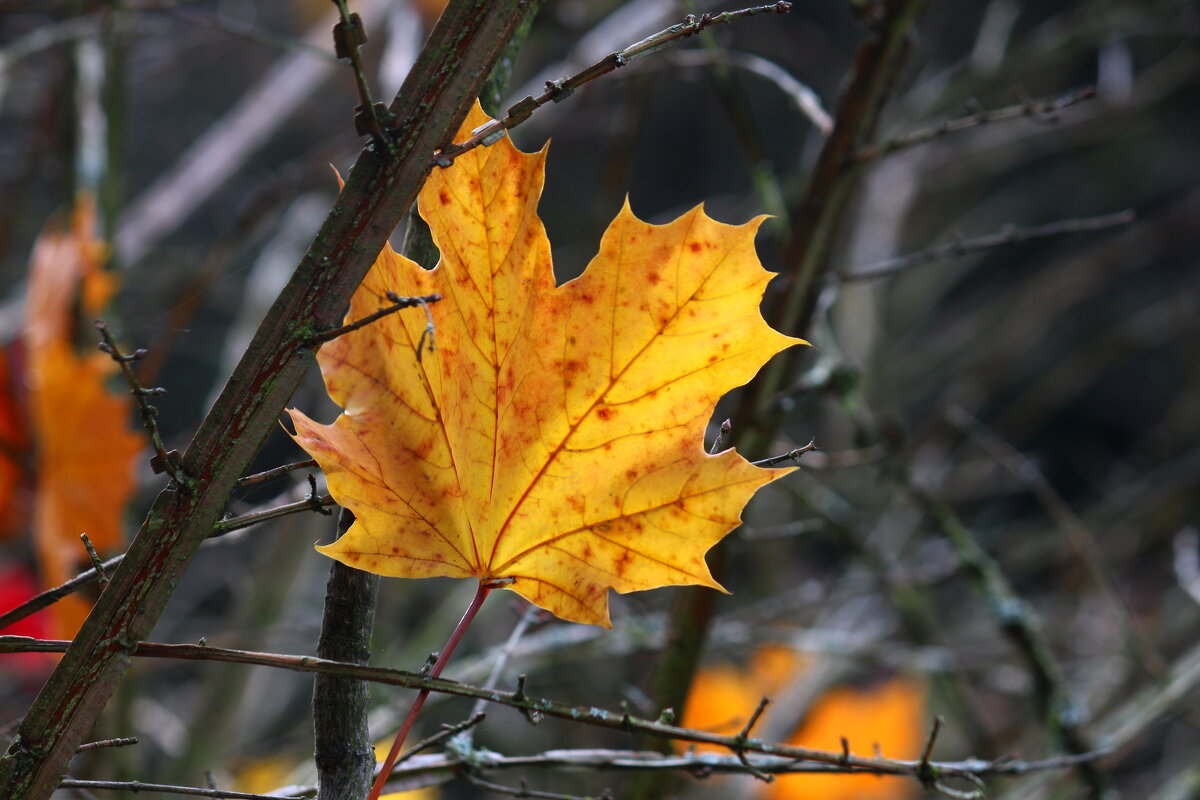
(380, 188)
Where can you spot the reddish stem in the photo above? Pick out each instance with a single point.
(402, 734)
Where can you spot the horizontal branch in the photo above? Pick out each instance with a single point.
(398, 303)
(700, 765)
(559, 90)
(791, 455)
(314, 503)
(1009, 234)
(837, 761)
(163, 788)
(1042, 111)
(275, 472)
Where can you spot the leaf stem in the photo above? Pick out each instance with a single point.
(451, 643)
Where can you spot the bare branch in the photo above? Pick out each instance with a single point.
(398, 303)
(275, 472)
(318, 503)
(559, 90)
(1008, 235)
(785, 756)
(164, 460)
(1045, 111)
(791, 455)
(163, 788)
(348, 36)
(121, 741)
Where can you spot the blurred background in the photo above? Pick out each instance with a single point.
(1007, 422)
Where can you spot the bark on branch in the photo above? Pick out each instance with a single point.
(380, 188)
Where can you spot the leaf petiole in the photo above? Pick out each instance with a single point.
(485, 588)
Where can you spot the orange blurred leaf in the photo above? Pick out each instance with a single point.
(85, 451)
(890, 715)
(555, 436)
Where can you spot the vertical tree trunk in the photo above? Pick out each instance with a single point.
(344, 756)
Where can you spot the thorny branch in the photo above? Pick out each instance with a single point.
(164, 460)
(701, 765)
(1009, 234)
(1045, 111)
(348, 36)
(559, 90)
(785, 756)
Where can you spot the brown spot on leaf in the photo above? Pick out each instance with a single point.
(444, 197)
(694, 247)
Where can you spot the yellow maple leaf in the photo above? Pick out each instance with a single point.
(554, 438)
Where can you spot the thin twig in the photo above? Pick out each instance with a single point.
(318, 503)
(791, 455)
(589, 715)
(94, 557)
(724, 437)
(164, 460)
(559, 90)
(743, 736)
(163, 788)
(121, 741)
(525, 791)
(447, 732)
(398, 303)
(1009, 234)
(275, 472)
(925, 772)
(1041, 111)
(348, 36)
